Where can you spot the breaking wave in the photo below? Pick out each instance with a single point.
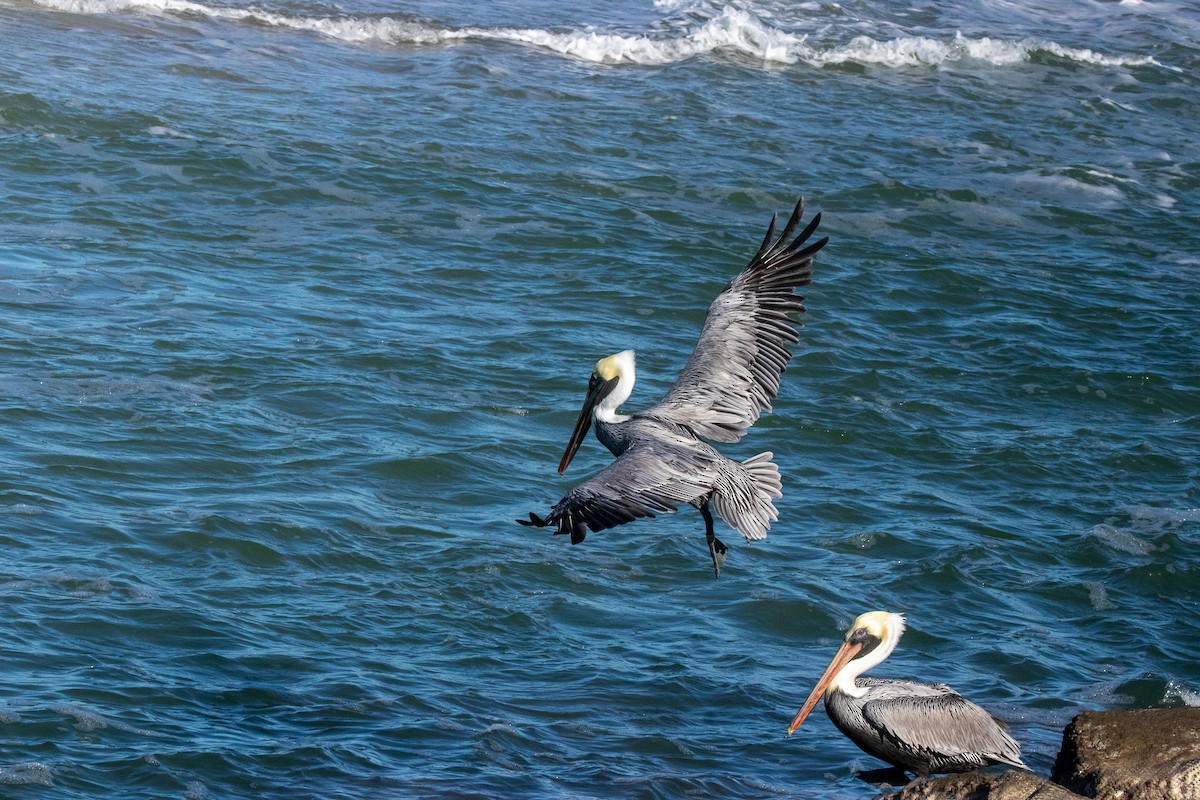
(728, 30)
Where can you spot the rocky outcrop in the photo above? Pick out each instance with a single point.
(1152, 754)
(985, 786)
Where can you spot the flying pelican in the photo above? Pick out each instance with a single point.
(730, 379)
(919, 727)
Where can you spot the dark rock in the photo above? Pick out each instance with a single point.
(985, 786)
(1151, 754)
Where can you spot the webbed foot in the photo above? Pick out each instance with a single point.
(718, 551)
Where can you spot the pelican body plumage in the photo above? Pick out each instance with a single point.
(662, 458)
(919, 727)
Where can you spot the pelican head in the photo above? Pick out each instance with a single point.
(610, 386)
(870, 640)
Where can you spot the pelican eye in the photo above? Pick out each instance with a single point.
(863, 637)
(599, 386)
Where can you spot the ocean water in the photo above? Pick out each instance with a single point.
(298, 301)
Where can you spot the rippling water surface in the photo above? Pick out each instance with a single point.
(298, 301)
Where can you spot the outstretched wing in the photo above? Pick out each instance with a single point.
(643, 481)
(945, 728)
(733, 374)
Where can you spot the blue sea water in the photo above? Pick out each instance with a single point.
(298, 301)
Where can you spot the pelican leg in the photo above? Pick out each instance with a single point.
(716, 548)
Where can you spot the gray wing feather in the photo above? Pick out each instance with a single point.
(733, 374)
(944, 727)
(642, 481)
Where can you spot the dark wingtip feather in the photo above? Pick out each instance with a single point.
(804, 234)
(792, 223)
(812, 249)
(767, 240)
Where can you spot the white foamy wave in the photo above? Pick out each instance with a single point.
(1177, 691)
(911, 51)
(727, 30)
(732, 30)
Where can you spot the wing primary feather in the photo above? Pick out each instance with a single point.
(767, 240)
(811, 250)
(804, 234)
(793, 222)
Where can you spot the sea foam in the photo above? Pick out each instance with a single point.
(30, 773)
(729, 29)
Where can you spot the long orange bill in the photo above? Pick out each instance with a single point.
(597, 390)
(846, 652)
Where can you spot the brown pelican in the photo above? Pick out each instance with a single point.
(919, 727)
(730, 379)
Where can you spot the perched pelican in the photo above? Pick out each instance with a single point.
(731, 378)
(919, 727)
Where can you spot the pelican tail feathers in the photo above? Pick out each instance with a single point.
(744, 498)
